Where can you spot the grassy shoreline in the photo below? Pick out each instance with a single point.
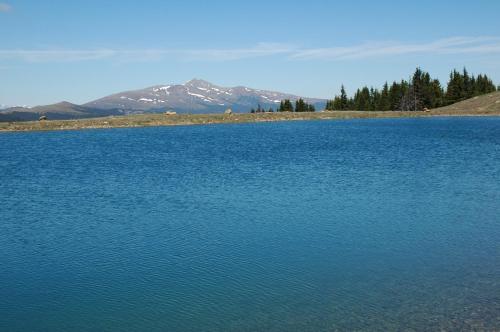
(157, 120)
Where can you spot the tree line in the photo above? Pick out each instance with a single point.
(416, 94)
(287, 106)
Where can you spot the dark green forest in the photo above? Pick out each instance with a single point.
(419, 93)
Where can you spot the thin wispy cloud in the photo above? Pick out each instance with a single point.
(455, 45)
(62, 55)
(261, 50)
(5, 7)
(56, 55)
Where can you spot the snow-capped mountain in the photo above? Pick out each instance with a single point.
(195, 96)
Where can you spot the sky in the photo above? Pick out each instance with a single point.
(79, 51)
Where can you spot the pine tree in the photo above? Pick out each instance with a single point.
(384, 102)
(329, 105)
(421, 91)
(300, 105)
(362, 99)
(374, 99)
(437, 94)
(395, 94)
(343, 98)
(468, 88)
(484, 85)
(339, 103)
(286, 106)
(454, 91)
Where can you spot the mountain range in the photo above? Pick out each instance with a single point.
(195, 96)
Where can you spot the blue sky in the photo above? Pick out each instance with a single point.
(82, 50)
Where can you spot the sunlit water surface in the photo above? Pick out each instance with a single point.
(291, 226)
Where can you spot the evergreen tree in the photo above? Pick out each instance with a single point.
(362, 99)
(329, 105)
(343, 99)
(468, 85)
(421, 91)
(281, 108)
(437, 94)
(300, 106)
(384, 102)
(339, 103)
(374, 99)
(484, 85)
(395, 95)
(285, 106)
(454, 91)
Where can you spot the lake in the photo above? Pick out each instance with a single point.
(370, 225)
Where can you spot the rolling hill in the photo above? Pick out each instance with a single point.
(484, 104)
(59, 111)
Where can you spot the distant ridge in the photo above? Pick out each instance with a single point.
(60, 111)
(196, 96)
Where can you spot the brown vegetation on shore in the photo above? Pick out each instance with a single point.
(487, 105)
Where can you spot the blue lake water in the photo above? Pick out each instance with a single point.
(291, 226)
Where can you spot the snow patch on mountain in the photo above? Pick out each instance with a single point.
(195, 96)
